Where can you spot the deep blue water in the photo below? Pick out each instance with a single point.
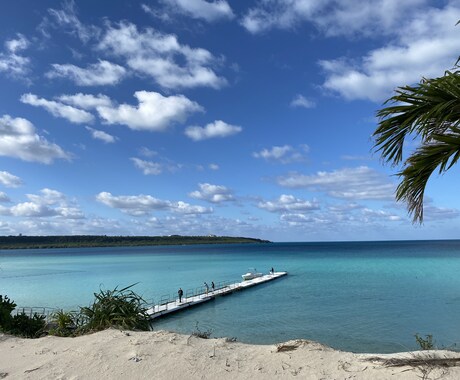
(357, 296)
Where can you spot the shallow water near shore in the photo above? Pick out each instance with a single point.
(355, 296)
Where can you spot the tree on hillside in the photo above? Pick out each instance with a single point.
(430, 112)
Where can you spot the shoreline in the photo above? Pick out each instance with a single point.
(115, 354)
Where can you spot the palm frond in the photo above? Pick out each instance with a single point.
(431, 111)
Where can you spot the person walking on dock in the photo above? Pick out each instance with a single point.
(207, 287)
(212, 285)
(180, 292)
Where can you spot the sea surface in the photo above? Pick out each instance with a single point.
(354, 296)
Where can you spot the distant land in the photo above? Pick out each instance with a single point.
(81, 241)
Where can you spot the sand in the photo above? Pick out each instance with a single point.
(114, 354)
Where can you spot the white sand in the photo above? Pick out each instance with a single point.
(114, 354)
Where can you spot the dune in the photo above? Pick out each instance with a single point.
(115, 354)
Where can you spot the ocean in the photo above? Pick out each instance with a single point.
(355, 296)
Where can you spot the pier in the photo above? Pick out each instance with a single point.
(166, 306)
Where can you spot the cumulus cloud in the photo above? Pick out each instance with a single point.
(433, 213)
(212, 193)
(141, 205)
(200, 9)
(422, 39)
(8, 179)
(57, 109)
(161, 56)
(212, 130)
(424, 47)
(66, 20)
(86, 101)
(284, 154)
(333, 17)
(49, 203)
(18, 139)
(4, 198)
(370, 214)
(97, 74)
(148, 167)
(302, 102)
(101, 135)
(288, 203)
(349, 183)
(11, 61)
(154, 112)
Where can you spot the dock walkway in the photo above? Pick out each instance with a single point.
(191, 300)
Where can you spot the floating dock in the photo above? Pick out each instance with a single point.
(173, 306)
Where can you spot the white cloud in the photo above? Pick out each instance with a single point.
(380, 215)
(432, 213)
(333, 17)
(136, 205)
(213, 166)
(301, 101)
(57, 109)
(212, 130)
(212, 193)
(97, 74)
(4, 198)
(148, 167)
(349, 183)
(11, 61)
(86, 101)
(141, 205)
(155, 112)
(18, 139)
(146, 152)
(49, 203)
(200, 9)
(425, 46)
(185, 208)
(162, 57)
(288, 203)
(8, 179)
(284, 154)
(101, 135)
(66, 19)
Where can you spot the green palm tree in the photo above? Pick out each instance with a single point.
(429, 111)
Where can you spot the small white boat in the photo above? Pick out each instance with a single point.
(252, 273)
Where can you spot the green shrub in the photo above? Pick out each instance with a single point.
(425, 343)
(115, 308)
(6, 307)
(27, 327)
(65, 323)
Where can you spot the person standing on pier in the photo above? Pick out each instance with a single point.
(212, 285)
(207, 287)
(180, 292)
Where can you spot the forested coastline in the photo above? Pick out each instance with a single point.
(80, 241)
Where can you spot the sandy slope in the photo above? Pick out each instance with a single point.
(114, 354)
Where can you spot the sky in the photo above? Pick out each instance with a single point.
(193, 117)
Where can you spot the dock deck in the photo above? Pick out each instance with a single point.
(174, 306)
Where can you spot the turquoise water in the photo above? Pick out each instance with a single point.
(362, 297)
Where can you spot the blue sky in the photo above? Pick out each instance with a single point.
(193, 117)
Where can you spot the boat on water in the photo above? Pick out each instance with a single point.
(251, 274)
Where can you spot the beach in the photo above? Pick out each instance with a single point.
(114, 354)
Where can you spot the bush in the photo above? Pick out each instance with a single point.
(27, 327)
(6, 307)
(115, 308)
(425, 343)
(65, 323)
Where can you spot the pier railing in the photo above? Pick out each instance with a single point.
(30, 311)
(173, 299)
